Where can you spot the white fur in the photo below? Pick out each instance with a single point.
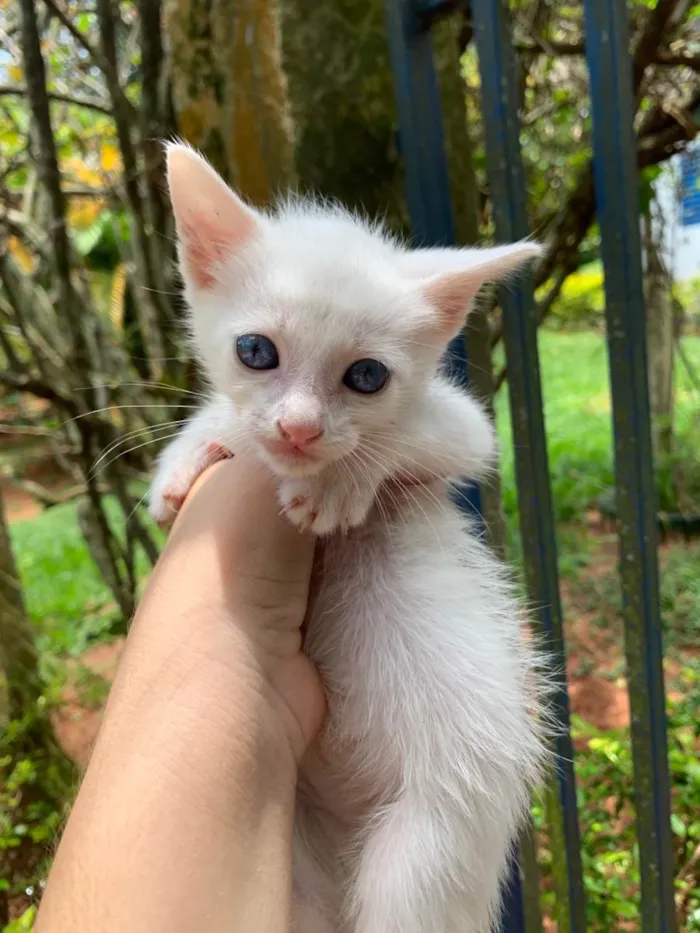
(409, 803)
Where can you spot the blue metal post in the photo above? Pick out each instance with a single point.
(508, 197)
(427, 183)
(617, 194)
(423, 152)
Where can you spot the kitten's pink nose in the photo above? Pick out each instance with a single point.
(299, 434)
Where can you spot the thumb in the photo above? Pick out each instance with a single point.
(256, 560)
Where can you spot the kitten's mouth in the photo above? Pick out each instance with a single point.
(285, 450)
(289, 457)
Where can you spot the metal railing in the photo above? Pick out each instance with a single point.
(616, 180)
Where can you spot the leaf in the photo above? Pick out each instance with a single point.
(110, 158)
(87, 239)
(22, 256)
(678, 826)
(23, 924)
(117, 296)
(15, 73)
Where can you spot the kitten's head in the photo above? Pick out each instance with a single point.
(319, 328)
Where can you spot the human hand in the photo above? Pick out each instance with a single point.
(233, 557)
(187, 806)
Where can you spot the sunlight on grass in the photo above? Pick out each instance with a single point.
(67, 599)
(578, 420)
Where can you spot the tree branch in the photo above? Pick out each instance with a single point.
(110, 73)
(23, 383)
(577, 215)
(8, 91)
(573, 221)
(25, 430)
(148, 298)
(678, 58)
(47, 497)
(646, 43)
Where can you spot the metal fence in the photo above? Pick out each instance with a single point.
(616, 181)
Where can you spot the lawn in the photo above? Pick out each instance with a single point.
(576, 392)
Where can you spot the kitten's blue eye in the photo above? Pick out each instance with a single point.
(257, 352)
(366, 376)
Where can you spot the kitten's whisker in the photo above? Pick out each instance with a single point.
(124, 453)
(386, 488)
(145, 385)
(364, 472)
(136, 507)
(426, 488)
(98, 411)
(397, 463)
(130, 435)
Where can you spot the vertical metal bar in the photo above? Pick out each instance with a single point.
(422, 142)
(428, 191)
(616, 180)
(508, 194)
(420, 125)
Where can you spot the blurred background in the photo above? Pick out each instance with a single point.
(95, 374)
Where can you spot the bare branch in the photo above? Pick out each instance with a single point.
(110, 73)
(25, 430)
(678, 59)
(151, 307)
(23, 383)
(7, 90)
(47, 497)
(648, 40)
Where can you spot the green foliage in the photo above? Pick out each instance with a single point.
(688, 293)
(579, 430)
(606, 814)
(581, 301)
(102, 242)
(67, 598)
(23, 924)
(35, 784)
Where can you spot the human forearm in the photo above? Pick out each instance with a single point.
(184, 818)
(183, 821)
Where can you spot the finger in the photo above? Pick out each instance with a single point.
(232, 519)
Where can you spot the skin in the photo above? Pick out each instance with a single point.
(184, 818)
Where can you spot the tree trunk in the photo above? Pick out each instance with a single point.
(230, 91)
(18, 657)
(660, 338)
(19, 662)
(342, 89)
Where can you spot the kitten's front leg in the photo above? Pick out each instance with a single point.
(447, 435)
(335, 500)
(204, 440)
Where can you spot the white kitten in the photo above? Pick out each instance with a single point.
(321, 338)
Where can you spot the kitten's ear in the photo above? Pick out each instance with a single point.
(212, 222)
(450, 278)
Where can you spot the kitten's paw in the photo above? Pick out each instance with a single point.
(171, 486)
(313, 505)
(165, 498)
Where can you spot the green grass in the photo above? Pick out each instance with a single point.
(67, 599)
(65, 594)
(579, 427)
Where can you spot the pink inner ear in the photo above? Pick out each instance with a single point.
(206, 245)
(451, 294)
(212, 221)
